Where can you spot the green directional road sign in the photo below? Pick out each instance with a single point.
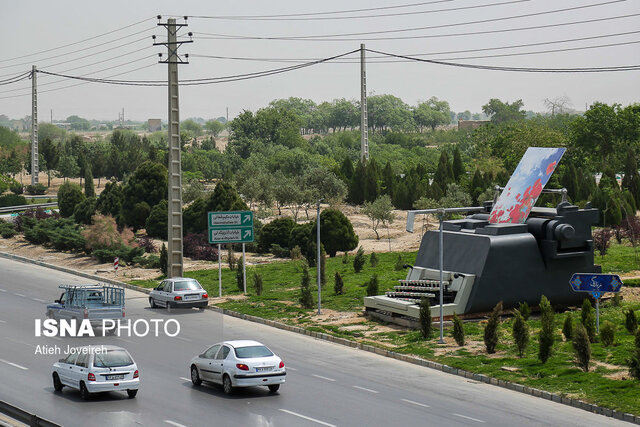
(230, 227)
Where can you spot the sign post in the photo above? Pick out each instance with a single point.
(596, 285)
(231, 227)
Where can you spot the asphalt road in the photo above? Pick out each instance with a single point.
(327, 384)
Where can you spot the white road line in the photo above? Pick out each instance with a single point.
(3, 290)
(307, 418)
(183, 339)
(416, 403)
(469, 418)
(323, 378)
(21, 342)
(38, 299)
(289, 368)
(185, 379)
(19, 295)
(4, 321)
(365, 389)
(15, 365)
(173, 423)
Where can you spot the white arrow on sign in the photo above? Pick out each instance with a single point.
(246, 218)
(247, 233)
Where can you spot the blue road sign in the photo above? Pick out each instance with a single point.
(596, 284)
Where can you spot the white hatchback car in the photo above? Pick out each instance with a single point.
(97, 368)
(238, 364)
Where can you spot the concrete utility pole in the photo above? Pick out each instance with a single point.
(175, 262)
(34, 126)
(364, 122)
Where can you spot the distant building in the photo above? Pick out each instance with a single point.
(471, 124)
(155, 125)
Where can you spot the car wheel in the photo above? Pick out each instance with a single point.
(227, 386)
(132, 393)
(152, 302)
(57, 384)
(195, 376)
(84, 393)
(274, 387)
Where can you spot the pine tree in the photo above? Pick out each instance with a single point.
(524, 309)
(588, 319)
(306, 299)
(338, 284)
(458, 330)
(164, 259)
(631, 180)
(373, 286)
(444, 172)
(257, 284)
(240, 276)
(359, 260)
(630, 321)
(546, 336)
(567, 327)
(458, 167)
(491, 330)
(89, 190)
(520, 332)
(607, 333)
(582, 347)
(634, 360)
(373, 260)
(425, 317)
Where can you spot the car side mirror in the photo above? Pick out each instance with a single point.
(201, 356)
(58, 301)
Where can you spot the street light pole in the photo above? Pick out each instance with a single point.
(318, 254)
(441, 214)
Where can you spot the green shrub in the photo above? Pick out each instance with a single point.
(164, 259)
(296, 253)
(257, 284)
(524, 310)
(616, 301)
(588, 318)
(373, 286)
(276, 232)
(151, 261)
(345, 258)
(16, 188)
(399, 263)
(491, 330)
(231, 258)
(240, 276)
(69, 196)
(607, 333)
(567, 327)
(279, 251)
(37, 189)
(630, 321)
(458, 330)
(12, 200)
(7, 229)
(157, 223)
(582, 347)
(306, 299)
(546, 336)
(85, 210)
(359, 260)
(520, 332)
(634, 360)
(338, 284)
(373, 260)
(425, 317)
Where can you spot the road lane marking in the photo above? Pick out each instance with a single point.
(185, 379)
(468, 418)
(183, 339)
(3, 321)
(19, 295)
(15, 365)
(416, 403)
(289, 368)
(38, 299)
(173, 423)
(3, 290)
(22, 342)
(323, 378)
(307, 418)
(365, 389)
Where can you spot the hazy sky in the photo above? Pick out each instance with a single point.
(29, 27)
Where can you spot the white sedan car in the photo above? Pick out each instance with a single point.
(238, 364)
(97, 368)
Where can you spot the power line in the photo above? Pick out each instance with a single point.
(516, 69)
(262, 59)
(337, 37)
(320, 13)
(16, 78)
(384, 15)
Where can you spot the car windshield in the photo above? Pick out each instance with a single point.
(253, 351)
(111, 359)
(187, 285)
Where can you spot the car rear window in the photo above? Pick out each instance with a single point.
(253, 351)
(112, 359)
(187, 285)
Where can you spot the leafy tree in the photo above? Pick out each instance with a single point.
(455, 197)
(567, 327)
(379, 212)
(306, 299)
(359, 260)
(214, 127)
(85, 210)
(78, 123)
(68, 166)
(104, 234)
(110, 200)
(69, 196)
(547, 329)
(491, 329)
(156, 224)
(277, 232)
(388, 111)
(192, 127)
(582, 347)
(144, 189)
(431, 113)
(458, 330)
(425, 318)
(501, 112)
(520, 332)
(336, 232)
(338, 285)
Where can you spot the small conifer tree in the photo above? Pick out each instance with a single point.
(338, 284)
(306, 299)
(546, 336)
(524, 310)
(373, 259)
(630, 321)
(231, 258)
(582, 347)
(491, 330)
(567, 327)
(373, 286)
(345, 258)
(240, 276)
(399, 263)
(458, 330)
(257, 284)
(425, 317)
(607, 333)
(634, 360)
(520, 332)
(164, 259)
(359, 260)
(588, 318)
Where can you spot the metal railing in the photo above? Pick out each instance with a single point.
(26, 207)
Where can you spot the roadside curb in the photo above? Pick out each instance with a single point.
(366, 347)
(23, 416)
